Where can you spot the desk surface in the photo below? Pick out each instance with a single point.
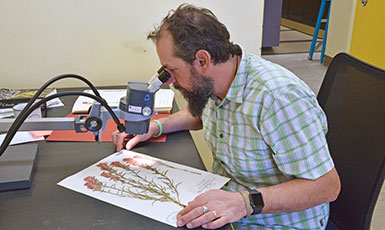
(49, 206)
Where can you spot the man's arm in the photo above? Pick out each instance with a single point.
(291, 196)
(300, 194)
(182, 120)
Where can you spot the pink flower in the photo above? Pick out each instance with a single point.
(93, 183)
(117, 164)
(137, 157)
(103, 166)
(137, 161)
(106, 174)
(129, 161)
(110, 176)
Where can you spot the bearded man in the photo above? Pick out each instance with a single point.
(264, 126)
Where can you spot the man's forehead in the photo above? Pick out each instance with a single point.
(165, 48)
(165, 36)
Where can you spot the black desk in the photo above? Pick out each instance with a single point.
(49, 206)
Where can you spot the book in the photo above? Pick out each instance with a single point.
(163, 100)
(12, 97)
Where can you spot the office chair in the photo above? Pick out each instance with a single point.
(353, 97)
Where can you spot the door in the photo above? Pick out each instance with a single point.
(271, 23)
(368, 37)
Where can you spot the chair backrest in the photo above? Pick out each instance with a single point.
(353, 98)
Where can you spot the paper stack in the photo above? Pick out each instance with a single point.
(163, 100)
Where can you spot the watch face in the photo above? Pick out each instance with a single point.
(257, 200)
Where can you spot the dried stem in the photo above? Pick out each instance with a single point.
(168, 165)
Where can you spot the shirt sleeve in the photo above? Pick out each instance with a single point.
(294, 126)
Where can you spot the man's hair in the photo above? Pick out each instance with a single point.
(194, 28)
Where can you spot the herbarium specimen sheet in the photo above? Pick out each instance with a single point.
(146, 185)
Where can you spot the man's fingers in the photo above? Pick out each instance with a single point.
(135, 140)
(216, 223)
(211, 209)
(187, 215)
(131, 143)
(185, 211)
(119, 141)
(202, 216)
(114, 136)
(199, 201)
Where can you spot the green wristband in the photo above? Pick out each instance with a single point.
(247, 203)
(160, 129)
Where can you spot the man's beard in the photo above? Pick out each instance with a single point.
(202, 90)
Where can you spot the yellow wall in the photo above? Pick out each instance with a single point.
(357, 30)
(103, 40)
(368, 38)
(340, 27)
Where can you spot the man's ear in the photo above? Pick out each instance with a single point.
(202, 60)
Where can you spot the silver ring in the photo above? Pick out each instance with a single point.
(205, 209)
(215, 214)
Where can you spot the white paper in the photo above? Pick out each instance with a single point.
(6, 113)
(163, 99)
(112, 96)
(56, 102)
(21, 137)
(189, 183)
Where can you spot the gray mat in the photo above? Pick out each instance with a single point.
(16, 166)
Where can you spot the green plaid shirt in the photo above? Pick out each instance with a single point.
(268, 130)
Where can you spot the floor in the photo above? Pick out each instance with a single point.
(292, 53)
(292, 41)
(312, 73)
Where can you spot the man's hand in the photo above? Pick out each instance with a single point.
(118, 138)
(223, 207)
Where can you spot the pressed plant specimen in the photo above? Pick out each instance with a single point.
(130, 182)
(141, 160)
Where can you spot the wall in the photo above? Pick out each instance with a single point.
(104, 41)
(369, 33)
(340, 27)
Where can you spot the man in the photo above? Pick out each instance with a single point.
(263, 125)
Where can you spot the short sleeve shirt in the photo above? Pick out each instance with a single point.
(269, 129)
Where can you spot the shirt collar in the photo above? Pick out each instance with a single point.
(237, 87)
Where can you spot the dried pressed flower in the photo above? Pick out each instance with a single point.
(146, 162)
(117, 164)
(110, 176)
(137, 161)
(103, 166)
(93, 183)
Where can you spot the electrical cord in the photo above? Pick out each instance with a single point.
(51, 81)
(30, 106)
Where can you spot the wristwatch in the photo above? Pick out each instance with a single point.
(256, 201)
